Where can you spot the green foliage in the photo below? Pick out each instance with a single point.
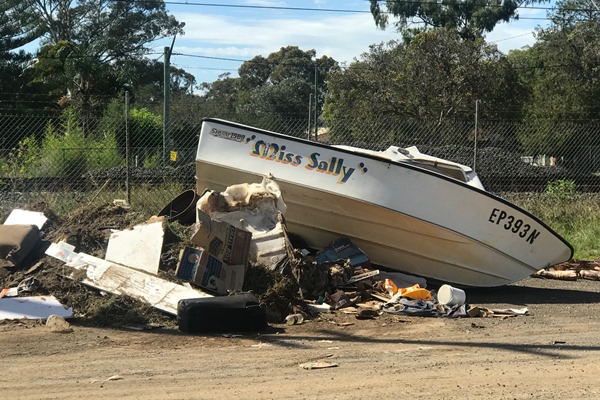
(576, 220)
(66, 152)
(20, 160)
(145, 128)
(436, 78)
(220, 97)
(18, 24)
(562, 190)
(153, 160)
(279, 87)
(282, 105)
(63, 150)
(88, 47)
(562, 70)
(104, 153)
(543, 136)
(471, 17)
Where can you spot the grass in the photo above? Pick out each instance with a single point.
(146, 200)
(576, 218)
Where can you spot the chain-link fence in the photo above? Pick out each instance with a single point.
(67, 162)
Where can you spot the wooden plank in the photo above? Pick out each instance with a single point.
(120, 280)
(124, 281)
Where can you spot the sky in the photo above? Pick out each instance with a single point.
(220, 35)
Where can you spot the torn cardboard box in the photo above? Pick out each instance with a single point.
(224, 241)
(257, 208)
(198, 266)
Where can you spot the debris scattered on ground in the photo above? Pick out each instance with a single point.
(112, 266)
(318, 365)
(571, 271)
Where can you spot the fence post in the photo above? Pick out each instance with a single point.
(309, 130)
(127, 167)
(316, 116)
(166, 101)
(475, 135)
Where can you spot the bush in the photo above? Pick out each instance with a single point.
(65, 151)
(562, 190)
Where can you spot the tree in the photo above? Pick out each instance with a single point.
(471, 18)
(19, 25)
(403, 89)
(561, 72)
(89, 45)
(285, 80)
(282, 107)
(219, 98)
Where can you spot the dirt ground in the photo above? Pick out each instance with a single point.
(552, 353)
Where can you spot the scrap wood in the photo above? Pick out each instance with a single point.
(477, 311)
(567, 275)
(509, 311)
(364, 275)
(121, 280)
(578, 265)
(380, 296)
(592, 275)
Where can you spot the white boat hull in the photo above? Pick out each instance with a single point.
(403, 217)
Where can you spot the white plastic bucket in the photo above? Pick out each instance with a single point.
(451, 296)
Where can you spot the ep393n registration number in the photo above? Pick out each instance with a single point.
(514, 225)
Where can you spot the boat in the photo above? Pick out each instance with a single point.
(407, 211)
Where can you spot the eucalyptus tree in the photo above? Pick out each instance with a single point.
(471, 18)
(219, 98)
(562, 75)
(283, 88)
(432, 81)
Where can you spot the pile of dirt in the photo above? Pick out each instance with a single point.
(88, 229)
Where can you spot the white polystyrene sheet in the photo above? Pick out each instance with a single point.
(34, 307)
(25, 217)
(138, 248)
(121, 280)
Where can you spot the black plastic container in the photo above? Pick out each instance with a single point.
(237, 313)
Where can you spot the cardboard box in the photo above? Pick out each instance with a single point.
(222, 240)
(207, 271)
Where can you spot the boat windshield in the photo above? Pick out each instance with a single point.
(413, 156)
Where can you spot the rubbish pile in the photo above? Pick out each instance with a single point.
(216, 261)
